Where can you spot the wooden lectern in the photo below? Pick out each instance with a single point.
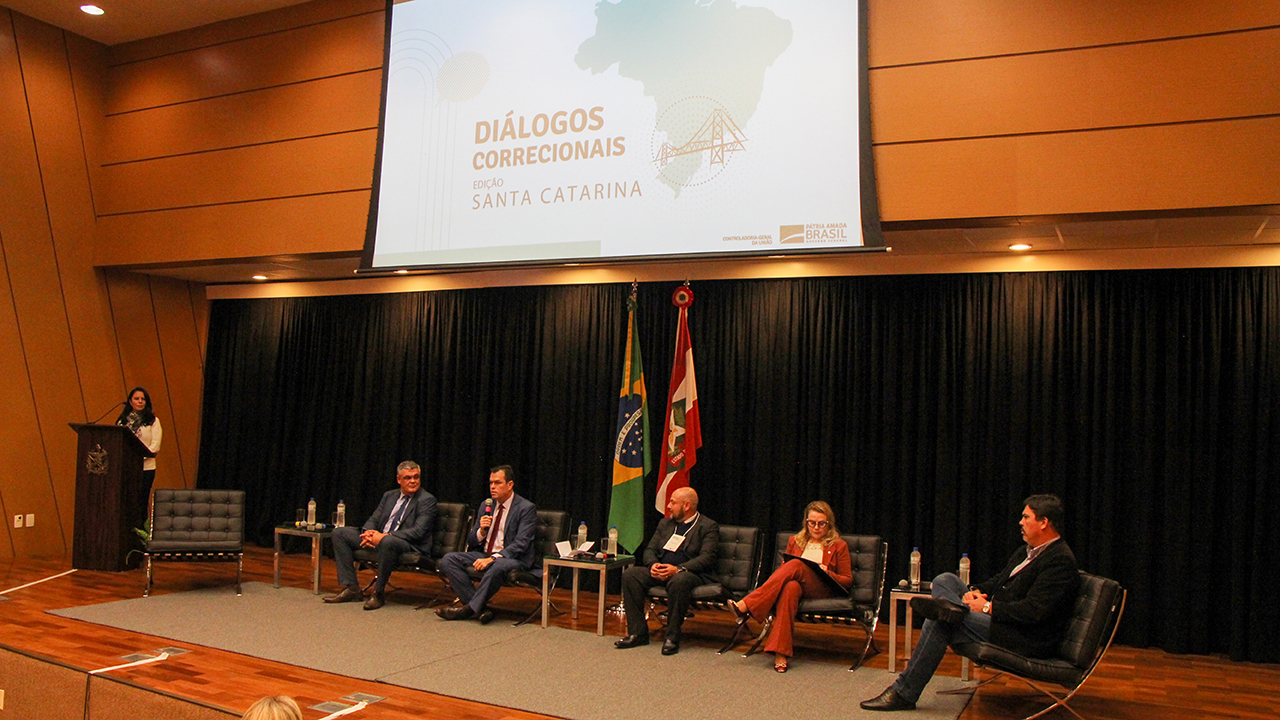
(108, 496)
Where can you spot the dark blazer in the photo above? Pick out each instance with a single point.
(1030, 611)
(417, 524)
(702, 545)
(521, 523)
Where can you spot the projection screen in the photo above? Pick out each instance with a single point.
(543, 131)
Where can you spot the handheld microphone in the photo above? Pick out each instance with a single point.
(108, 412)
(488, 510)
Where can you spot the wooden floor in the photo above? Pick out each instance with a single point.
(1130, 683)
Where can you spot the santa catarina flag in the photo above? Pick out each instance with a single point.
(631, 443)
(683, 435)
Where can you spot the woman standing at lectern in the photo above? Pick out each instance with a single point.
(138, 417)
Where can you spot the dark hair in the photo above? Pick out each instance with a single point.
(148, 416)
(507, 471)
(1047, 507)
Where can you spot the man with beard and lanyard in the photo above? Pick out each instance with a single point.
(1025, 607)
(681, 555)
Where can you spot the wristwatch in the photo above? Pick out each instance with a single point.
(986, 608)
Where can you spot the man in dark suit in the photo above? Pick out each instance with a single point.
(681, 555)
(1025, 607)
(501, 540)
(402, 523)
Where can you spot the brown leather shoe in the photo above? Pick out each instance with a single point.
(462, 612)
(374, 602)
(889, 700)
(347, 594)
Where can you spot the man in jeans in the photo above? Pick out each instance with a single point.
(1025, 607)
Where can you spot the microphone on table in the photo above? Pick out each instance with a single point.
(488, 510)
(108, 412)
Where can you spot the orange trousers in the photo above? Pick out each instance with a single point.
(782, 593)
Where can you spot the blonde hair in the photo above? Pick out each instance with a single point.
(802, 537)
(273, 707)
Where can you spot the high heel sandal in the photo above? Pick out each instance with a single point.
(780, 664)
(739, 615)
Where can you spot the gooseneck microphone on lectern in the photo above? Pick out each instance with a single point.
(488, 510)
(108, 412)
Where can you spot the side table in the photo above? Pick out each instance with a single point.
(317, 541)
(901, 595)
(601, 566)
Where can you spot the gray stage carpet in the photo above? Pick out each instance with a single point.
(566, 673)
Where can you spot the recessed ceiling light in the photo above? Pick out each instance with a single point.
(1019, 246)
(259, 277)
(402, 271)
(92, 9)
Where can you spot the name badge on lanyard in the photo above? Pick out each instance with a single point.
(676, 540)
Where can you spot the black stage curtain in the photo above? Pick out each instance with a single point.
(923, 408)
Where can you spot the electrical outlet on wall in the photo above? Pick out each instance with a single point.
(31, 519)
(17, 521)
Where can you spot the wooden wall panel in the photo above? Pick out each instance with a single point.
(240, 28)
(333, 163)
(24, 474)
(305, 53)
(922, 31)
(200, 310)
(333, 223)
(60, 145)
(1169, 166)
(88, 67)
(184, 373)
(320, 107)
(1193, 79)
(43, 333)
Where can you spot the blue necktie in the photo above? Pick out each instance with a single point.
(394, 522)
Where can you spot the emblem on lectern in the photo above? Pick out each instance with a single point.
(96, 461)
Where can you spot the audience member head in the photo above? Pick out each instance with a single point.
(409, 477)
(274, 707)
(819, 524)
(502, 480)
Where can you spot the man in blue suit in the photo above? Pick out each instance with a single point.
(402, 523)
(501, 540)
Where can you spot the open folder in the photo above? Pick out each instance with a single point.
(831, 582)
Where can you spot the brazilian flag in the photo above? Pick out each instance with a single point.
(631, 445)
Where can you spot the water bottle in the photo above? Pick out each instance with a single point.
(964, 569)
(342, 515)
(582, 534)
(915, 569)
(311, 514)
(613, 540)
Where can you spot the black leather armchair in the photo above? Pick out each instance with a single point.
(449, 534)
(861, 607)
(196, 526)
(1092, 628)
(737, 570)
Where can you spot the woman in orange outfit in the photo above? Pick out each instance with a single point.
(819, 541)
